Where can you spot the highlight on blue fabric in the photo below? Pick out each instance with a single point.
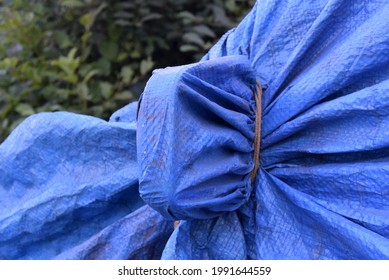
(71, 186)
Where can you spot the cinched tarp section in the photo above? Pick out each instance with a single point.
(69, 183)
(195, 138)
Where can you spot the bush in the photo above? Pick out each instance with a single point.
(94, 56)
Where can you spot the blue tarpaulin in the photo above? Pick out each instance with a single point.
(78, 187)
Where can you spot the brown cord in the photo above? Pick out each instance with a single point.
(257, 137)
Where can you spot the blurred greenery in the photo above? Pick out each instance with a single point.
(94, 56)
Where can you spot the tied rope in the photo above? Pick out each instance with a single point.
(257, 136)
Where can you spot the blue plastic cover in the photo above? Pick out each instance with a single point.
(69, 183)
(195, 136)
(69, 189)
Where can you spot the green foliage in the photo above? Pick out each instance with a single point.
(94, 56)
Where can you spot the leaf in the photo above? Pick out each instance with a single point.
(24, 109)
(87, 20)
(221, 17)
(106, 89)
(122, 56)
(103, 66)
(4, 124)
(109, 50)
(126, 74)
(83, 91)
(204, 30)
(10, 62)
(189, 48)
(38, 9)
(135, 54)
(108, 105)
(85, 37)
(121, 22)
(192, 37)
(90, 75)
(69, 65)
(124, 95)
(187, 15)
(62, 39)
(97, 110)
(72, 53)
(72, 3)
(5, 111)
(231, 5)
(146, 65)
(71, 78)
(152, 16)
(115, 33)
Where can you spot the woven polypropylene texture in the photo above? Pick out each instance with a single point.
(69, 183)
(195, 137)
(68, 187)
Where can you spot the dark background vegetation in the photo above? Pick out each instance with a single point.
(94, 56)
